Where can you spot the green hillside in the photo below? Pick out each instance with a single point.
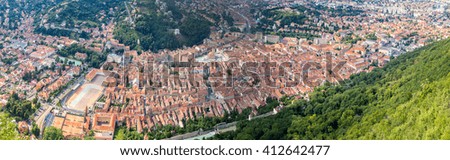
(407, 99)
(85, 13)
(8, 129)
(154, 29)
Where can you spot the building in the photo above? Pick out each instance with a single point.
(271, 39)
(104, 125)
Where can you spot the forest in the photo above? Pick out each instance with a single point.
(62, 33)
(8, 129)
(15, 110)
(409, 98)
(285, 17)
(298, 15)
(154, 31)
(88, 13)
(20, 109)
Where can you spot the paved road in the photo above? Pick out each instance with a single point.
(210, 133)
(247, 20)
(41, 119)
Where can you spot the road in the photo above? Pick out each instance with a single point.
(247, 21)
(47, 107)
(219, 129)
(129, 13)
(41, 119)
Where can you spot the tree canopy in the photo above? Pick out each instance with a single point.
(125, 134)
(20, 109)
(93, 59)
(8, 129)
(89, 13)
(62, 32)
(52, 133)
(154, 31)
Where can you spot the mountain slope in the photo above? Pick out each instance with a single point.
(83, 13)
(162, 24)
(414, 100)
(407, 99)
(8, 129)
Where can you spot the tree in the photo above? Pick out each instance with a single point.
(7, 128)
(35, 130)
(195, 30)
(20, 109)
(52, 133)
(124, 134)
(372, 36)
(94, 59)
(152, 32)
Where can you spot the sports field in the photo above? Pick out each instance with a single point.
(87, 94)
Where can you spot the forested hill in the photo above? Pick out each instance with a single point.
(162, 24)
(407, 99)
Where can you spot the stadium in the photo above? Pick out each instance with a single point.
(87, 94)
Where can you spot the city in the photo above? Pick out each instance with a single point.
(193, 69)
